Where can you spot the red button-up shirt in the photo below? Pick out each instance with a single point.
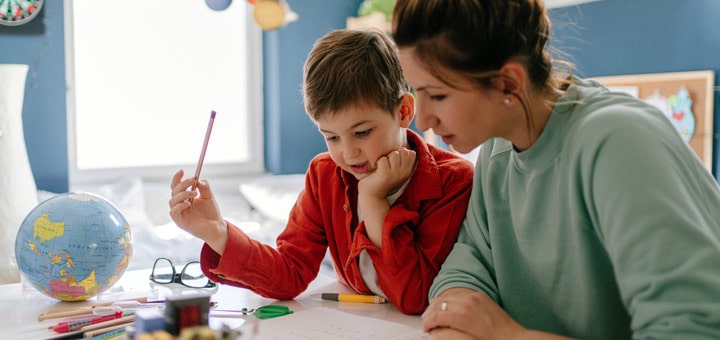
(417, 234)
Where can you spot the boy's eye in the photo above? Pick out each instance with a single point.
(437, 97)
(363, 133)
(330, 138)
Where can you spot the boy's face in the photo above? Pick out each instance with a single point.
(357, 136)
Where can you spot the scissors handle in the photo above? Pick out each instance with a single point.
(272, 311)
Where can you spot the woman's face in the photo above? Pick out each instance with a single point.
(463, 115)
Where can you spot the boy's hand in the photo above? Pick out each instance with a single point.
(391, 171)
(200, 216)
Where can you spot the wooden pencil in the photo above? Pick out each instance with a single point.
(201, 160)
(109, 335)
(82, 310)
(64, 314)
(90, 334)
(99, 325)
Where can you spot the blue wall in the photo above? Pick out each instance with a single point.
(291, 139)
(613, 37)
(607, 37)
(40, 44)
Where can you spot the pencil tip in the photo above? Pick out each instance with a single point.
(212, 114)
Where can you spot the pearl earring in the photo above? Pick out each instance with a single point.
(506, 101)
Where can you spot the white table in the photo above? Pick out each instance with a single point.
(20, 304)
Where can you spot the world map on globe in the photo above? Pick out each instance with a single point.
(73, 246)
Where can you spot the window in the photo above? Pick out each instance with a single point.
(143, 77)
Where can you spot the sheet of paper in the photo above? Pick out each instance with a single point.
(325, 323)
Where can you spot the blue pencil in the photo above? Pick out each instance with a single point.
(109, 335)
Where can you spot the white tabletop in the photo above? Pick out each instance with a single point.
(20, 304)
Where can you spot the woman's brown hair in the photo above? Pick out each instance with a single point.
(477, 37)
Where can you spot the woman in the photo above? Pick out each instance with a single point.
(590, 217)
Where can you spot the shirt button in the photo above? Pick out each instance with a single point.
(345, 207)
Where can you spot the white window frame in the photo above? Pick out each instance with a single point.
(252, 166)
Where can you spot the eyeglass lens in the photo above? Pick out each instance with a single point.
(163, 271)
(190, 276)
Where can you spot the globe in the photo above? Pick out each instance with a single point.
(73, 246)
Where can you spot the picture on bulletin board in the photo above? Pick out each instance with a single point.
(686, 98)
(21, 17)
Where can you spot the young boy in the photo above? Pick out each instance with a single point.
(388, 205)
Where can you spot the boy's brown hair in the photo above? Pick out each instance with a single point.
(352, 67)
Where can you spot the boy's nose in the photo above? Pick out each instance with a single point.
(351, 149)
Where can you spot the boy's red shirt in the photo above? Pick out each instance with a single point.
(418, 233)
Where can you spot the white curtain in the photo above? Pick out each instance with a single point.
(18, 193)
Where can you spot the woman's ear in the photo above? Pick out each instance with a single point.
(406, 109)
(513, 78)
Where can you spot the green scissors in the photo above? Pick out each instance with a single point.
(267, 312)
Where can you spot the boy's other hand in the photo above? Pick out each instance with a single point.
(391, 172)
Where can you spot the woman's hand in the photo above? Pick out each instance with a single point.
(470, 312)
(460, 313)
(197, 213)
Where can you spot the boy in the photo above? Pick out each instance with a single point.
(388, 205)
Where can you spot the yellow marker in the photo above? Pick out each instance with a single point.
(353, 298)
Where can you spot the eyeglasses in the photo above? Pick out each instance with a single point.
(191, 276)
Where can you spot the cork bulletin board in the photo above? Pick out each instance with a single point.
(699, 86)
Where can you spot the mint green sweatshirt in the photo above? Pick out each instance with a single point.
(608, 227)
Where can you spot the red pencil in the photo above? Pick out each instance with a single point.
(74, 325)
